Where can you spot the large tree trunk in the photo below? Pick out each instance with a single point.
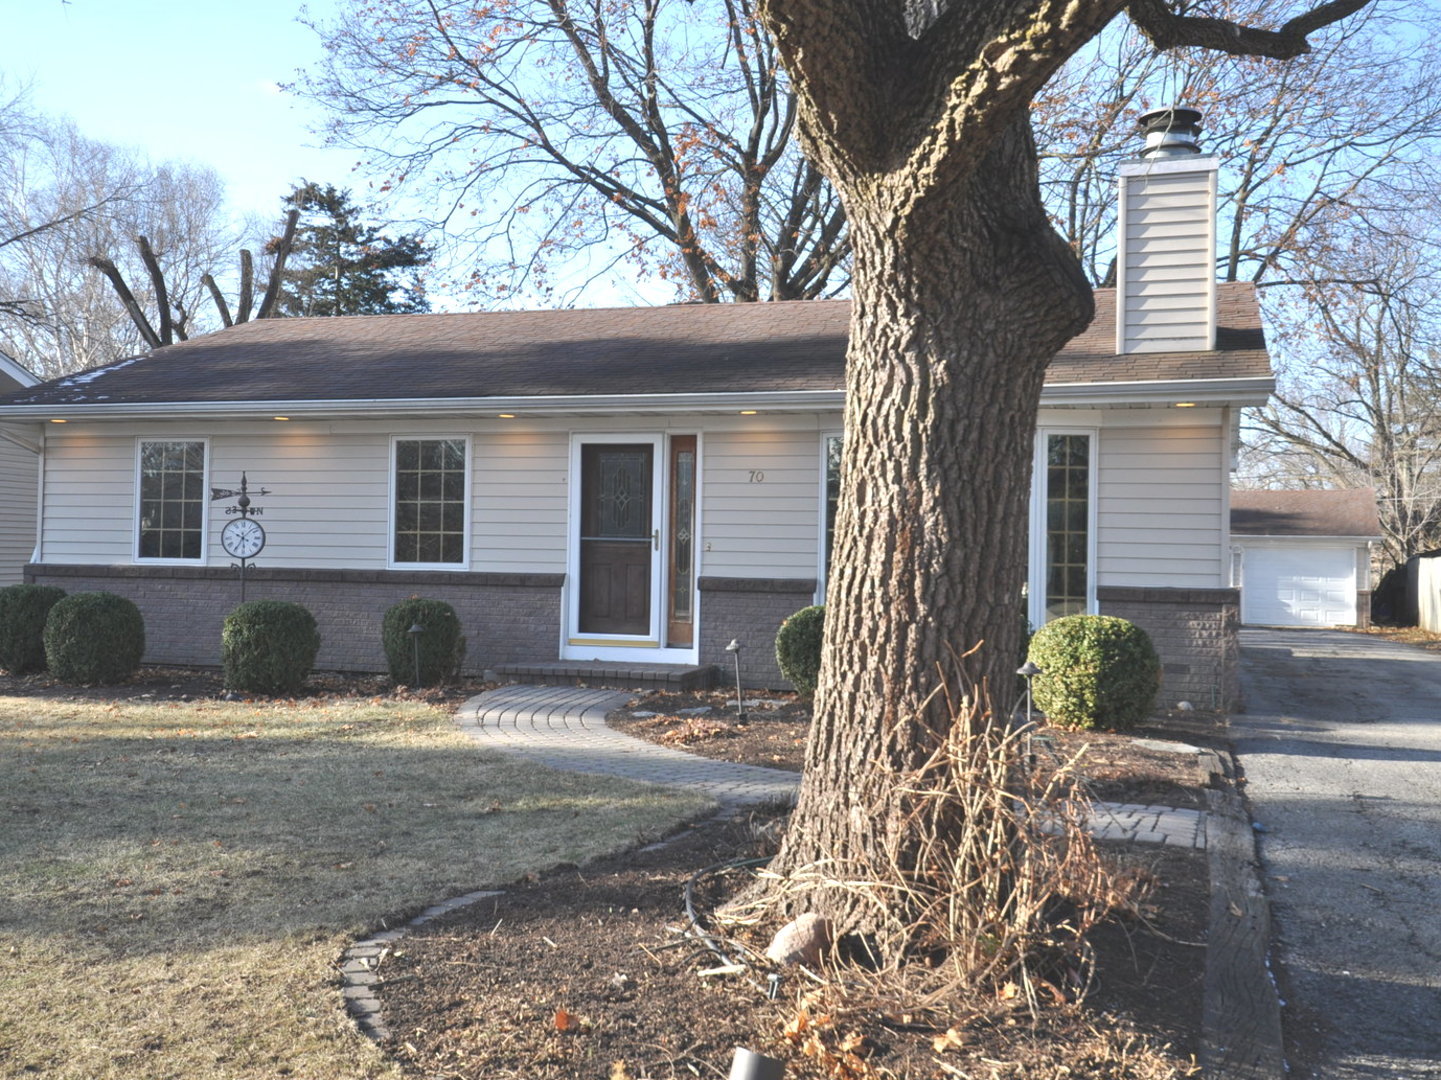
(931, 534)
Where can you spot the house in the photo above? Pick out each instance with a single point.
(636, 485)
(1303, 558)
(19, 475)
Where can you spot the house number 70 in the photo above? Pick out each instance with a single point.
(757, 477)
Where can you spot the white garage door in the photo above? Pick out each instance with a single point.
(1299, 586)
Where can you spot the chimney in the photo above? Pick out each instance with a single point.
(1166, 247)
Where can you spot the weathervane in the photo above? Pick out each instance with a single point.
(243, 537)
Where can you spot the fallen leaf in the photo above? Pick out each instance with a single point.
(1236, 911)
(566, 1021)
(952, 1038)
(618, 1071)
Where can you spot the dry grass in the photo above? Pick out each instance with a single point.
(177, 881)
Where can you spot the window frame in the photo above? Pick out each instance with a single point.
(822, 553)
(1039, 555)
(391, 490)
(203, 558)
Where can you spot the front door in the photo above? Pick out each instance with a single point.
(618, 538)
(633, 538)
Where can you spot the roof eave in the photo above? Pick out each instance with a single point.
(1244, 391)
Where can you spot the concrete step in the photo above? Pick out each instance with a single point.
(618, 674)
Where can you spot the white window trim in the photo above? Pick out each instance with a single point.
(203, 560)
(427, 436)
(1036, 571)
(822, 575)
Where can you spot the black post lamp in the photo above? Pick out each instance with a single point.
(734, 648)
(414, 634)
(1028, 671)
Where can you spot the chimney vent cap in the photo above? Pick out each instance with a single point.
(1171, 132)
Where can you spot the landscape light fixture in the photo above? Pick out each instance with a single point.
(1028, 671)
(414, 633)
(734, 648)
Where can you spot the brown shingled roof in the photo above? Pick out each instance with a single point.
(679, 349)
(1305, 513)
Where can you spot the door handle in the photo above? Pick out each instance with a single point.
(655, 538)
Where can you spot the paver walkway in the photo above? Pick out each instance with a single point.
(564, 727)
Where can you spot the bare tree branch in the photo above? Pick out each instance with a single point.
(127, 298)
(1169, 30)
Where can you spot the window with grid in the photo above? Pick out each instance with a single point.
(172, 499)
(832, 498)
(430, 501)
(1068, 515)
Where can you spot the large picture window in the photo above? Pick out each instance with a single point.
(171, 518)
(430, 502)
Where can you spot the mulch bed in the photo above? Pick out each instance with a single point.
(586, 973)
(153, 684)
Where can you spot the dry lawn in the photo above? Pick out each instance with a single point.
(178, 880)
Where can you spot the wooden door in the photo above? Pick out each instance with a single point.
(618, 538)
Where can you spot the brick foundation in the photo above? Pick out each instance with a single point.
(749, 610)
(507, 618)
(1194, 631)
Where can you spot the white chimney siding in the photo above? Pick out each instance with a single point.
(1166, 264)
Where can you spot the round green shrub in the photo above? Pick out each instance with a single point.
(268, 646)
(442, 646)
(23, 610)
(798, 648)
(94, 637)
(1098, 671)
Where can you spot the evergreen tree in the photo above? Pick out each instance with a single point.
(342, 266)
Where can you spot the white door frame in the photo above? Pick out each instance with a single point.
(646, 649)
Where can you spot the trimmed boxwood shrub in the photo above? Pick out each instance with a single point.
(23, 610)
(442, 646)
(94, 637)
(798, 648)
(1098, 671)
(268, 646)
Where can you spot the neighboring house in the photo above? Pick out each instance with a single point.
(1303, 558)
(19, 481)
(637, 485)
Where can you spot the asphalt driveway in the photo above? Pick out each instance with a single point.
(1340, 744)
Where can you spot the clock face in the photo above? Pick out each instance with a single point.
(243, 538)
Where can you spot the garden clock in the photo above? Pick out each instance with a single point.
(242, 538)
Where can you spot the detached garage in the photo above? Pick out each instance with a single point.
(1303, 558)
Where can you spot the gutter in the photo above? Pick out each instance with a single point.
(1247, 391)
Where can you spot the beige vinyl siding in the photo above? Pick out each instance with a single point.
(327, 506)
(760, 503)
(520, 500)
(19, 476)
(89, 511)
(1168, 261)
(1160, 508)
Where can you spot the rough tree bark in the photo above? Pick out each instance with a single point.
(962, 293)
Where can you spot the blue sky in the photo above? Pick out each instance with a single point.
(184, 81)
